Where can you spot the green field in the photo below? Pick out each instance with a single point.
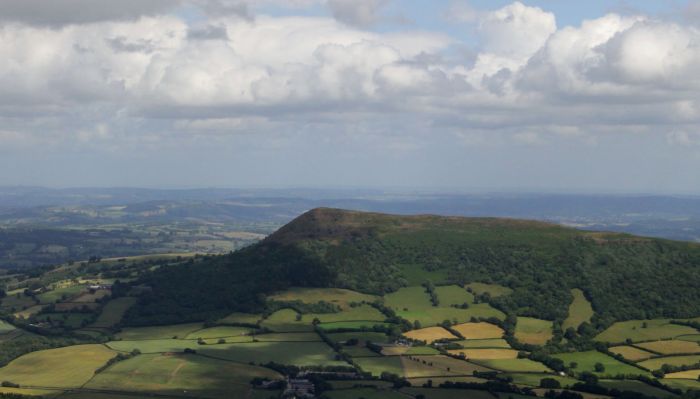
(219, 332)
(448, 393)
(533, 380)
(113, 312)
(580, 310)
(514, 365)
(656, 363)
(360, 336)
(60, 293)
(634, 330)
(682, 384)
(358, 313)
(241, 318)
(453, 295)
(409, 350)
(692, 337)
(431, 316)
(68, 367)
(631, 353)
(69, 320)
(352, 325)
(288, 337)
(437, 366)
(298, 353)
(671, 347)
(159, 332)
(587, 360)
(175, 374)
(533, 331)
(366, 393)
(408, 298)
(154, 345)
(6, 327)
(376, 365)
(337, 296)
(637, 386)
(285, 320)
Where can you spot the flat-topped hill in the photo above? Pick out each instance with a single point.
(625, 277)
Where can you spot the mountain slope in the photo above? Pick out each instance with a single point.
(624, 276)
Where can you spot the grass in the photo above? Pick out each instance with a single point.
(173, 374)
(580, 310)
(60, 293)
(430, 334)
(671, 347)
(299, 353)
(533, 331)
(637, 386)
(634, 330)
(360, 336)
(656, 363)
(437, 366)
(682, 384)
(533, 380)
(692, 337)
(6, 327)
(241, 318)
(486, 353)
(69, 320)
(484, 343)
(377, 365)
(219, 332)
(358, 313)
(154, 345)
(493, 289)
(631, 353)
(687, 375)
(159, 332)
(289, 337)
(453, 295)
(587, 360)
(337, 296)
(285, 320)
(514, 365)
(113, 312)
(408, 298)
(68, 367)
(366, 393)
(431, 316)
(479, 330)
(409, 350)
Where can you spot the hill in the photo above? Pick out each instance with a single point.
(625, 277)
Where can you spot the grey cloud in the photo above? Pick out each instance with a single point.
(57, 13)
(357, 12)
(209, 32)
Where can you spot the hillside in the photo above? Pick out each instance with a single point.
(624, 277)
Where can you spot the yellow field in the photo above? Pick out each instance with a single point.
(430, 334)
(337, 296)
(671, 347)
(486, 353)
(686, 375)
(533, 331)
(658, 362)
(479, 330)
(69, 367)
(631, 353)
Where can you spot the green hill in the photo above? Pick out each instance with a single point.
(625, 277)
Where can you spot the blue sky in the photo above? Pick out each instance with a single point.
(452, 95)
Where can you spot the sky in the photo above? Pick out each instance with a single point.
(480, 95)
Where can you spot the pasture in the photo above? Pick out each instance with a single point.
(220, 332)
(643, 330)
(360, 336)
(286, 320)
(113, 312)
(358, 313)
(433, 393)
(692, 337)
(631, 353)
(686, 375)
(436, 366)
(6, 327)
(637, 386)
(453, 295)
(298, 353)
(533, 331)
(366, 393)
(68, 367)
(486, 353)
(241, 318)
(580, 310)
(533, 380)
(337, 296)
(429, 334)
(409, 350)
(159, 332)
(671, 347)
(408, 298)
(377, 365)
(484, 343)
(154, 345)
(431, 316)
(587, 360)
(288, 337)
(173, 374)
(658, 362)
(472, 331)
(514, 365)
(681, 383)
(351, 325)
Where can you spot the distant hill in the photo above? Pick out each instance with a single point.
(624, 276)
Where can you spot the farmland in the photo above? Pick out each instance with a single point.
(430, 334)
(533, 331)
(586, 361)
(657, 363)
(643, 330)
(580, 310)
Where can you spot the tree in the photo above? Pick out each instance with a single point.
(417, 325)
(550, 383)
(599, 367)
(573, 365)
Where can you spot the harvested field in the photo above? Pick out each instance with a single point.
(472, 331)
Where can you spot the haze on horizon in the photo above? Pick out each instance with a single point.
(490, 95)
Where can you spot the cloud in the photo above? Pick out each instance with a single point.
(357, 12)
(56, 13)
